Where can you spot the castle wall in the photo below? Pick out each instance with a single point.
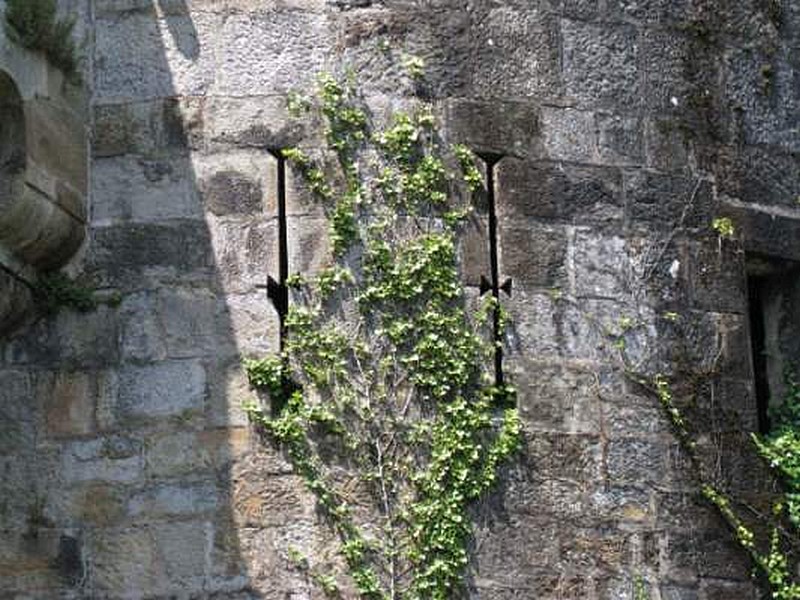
(127, 468)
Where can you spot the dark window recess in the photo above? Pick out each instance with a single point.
(494, 285)
(774, 310)
(277, 291)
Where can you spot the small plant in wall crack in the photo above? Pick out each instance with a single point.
(389, 412)
(55, 291)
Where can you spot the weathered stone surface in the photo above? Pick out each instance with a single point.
(70, 404)
(516, 52)
(69, 340)
(123, 443)
(149, 127)
(245, 253)
(180, 249)
(555, 398)
(600, 63)
(173, 500)
(569, 135)
(143, 56)
(266, 64)
(168, 389)
(114, 573)
(534, 257)
(110, 459)
(506, 128)
(669, 201)
(155, 190)
(567, 194)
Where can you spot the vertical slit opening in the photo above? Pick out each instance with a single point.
(755, 285)
(773, 289)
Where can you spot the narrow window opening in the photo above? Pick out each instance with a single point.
(773, 287)
(278, 289)
(757, 345)
(494, 285)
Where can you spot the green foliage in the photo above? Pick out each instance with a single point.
(56, 291)
(469, 167)
(397, 392)
(414, 66)
(724, 227)
(781, 449)
(640, 591)
(34, 24)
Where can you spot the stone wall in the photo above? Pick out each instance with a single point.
(43, 173)
(127, 469)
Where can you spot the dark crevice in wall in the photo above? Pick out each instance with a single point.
(774, 313)
(757, 344)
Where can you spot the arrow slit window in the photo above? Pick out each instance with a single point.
(774, 312)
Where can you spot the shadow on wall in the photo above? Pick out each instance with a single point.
(127, 469)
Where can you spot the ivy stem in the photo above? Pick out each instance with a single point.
(387, 508)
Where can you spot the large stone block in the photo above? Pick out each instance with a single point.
(70, 401)
(601, 265)
(716, 273)
(269, 51)
(183, 550)
(167, 501)
(257, 121)
(534, 257)
(127, 255)
(758, 175)
(228, 384)
(621, 139)
(141, 55)
(168, 389)
(569, 135)
(600, 64)
(534, 326)
(516, 52)
(556, 398)
(572, 457)
(189, 454)
(154, 190)
(560, 193)
(664, 60)
(194, 323)
(246, 252)
(643, 460)
(111, 570)
(238, 183)
(310, 248)
(69, 340)
(98, 504)
(254, 325)
(149, 127)
(669, 201)
(506, 128)
(142, 336)
(110, 459)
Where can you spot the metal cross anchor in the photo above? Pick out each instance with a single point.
(494, 286)
(278, 291)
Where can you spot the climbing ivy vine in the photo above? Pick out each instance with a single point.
(772, 557)
(382, 399)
